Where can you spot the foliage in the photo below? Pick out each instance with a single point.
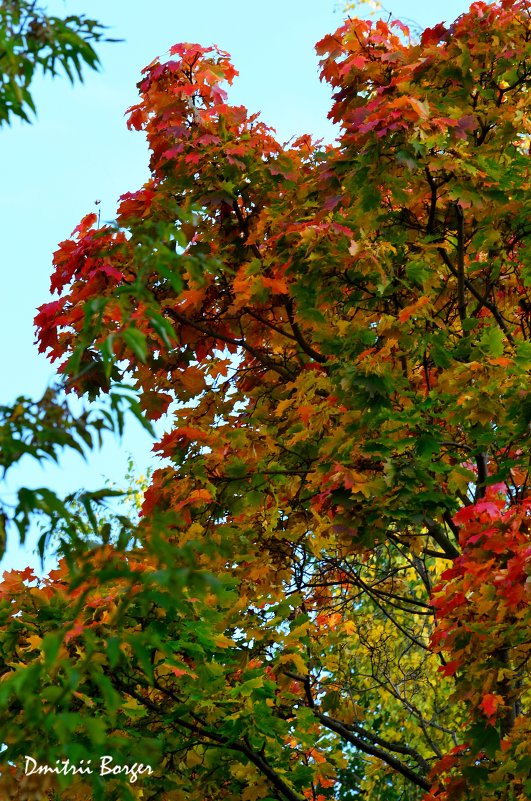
(42, 430)
(484, 622)
(342, 336)
(32, 41)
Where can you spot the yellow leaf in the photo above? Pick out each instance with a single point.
(296, 660)
(193, 759)
(34, 643)
(253, 792)
(223, 642)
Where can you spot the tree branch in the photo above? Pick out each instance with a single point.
(355, 727)
(461, 303)
(433, 202)
(318, 357)
(239, 343)
(396, 747)
(264, 767)
(373, 750)
(472, 289)
(438, 534)
(199, 729)
(483, 473)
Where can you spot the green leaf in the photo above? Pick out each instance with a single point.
(426, 446)
(246, 689)
(484, 737)
(136, 341)
(143, 655)
(172, 276)
(492, 341)
(418, 272)
(236, 468)
(96, 730)
(114, 652)
(523, 354)
(164, 329)
(50, 646)
(476, 775)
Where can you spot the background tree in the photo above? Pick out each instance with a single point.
(331, 592)
(33, 41)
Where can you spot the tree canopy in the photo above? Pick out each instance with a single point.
(327, 594)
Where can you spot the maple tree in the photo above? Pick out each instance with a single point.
(327, 593)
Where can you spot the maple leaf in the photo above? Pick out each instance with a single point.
(490, 704)
(433, 35)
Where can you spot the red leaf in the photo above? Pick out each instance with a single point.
(490, 703)
(451, 668)
(433, 35)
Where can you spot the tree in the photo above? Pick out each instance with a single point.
(329, 592)
(31, 40)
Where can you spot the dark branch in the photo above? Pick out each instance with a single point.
(373, 750)
(461, 303)
(318, 357)
(483, 472)
(438, 534)
(472, 289)
(239, 343)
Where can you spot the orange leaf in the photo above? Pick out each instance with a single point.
(192, 379)
(409, 311)
(305, 412)
(276, 285)
(502, 361)
(180, 672)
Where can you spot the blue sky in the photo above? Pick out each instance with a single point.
(78, 151)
